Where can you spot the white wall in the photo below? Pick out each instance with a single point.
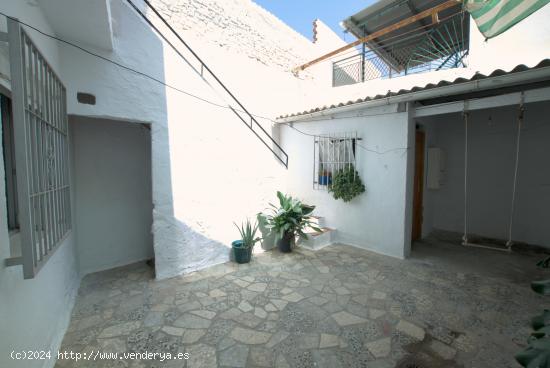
(376, 220)
(113, 199)
(208, 169)
(492, 142)
(34, 313)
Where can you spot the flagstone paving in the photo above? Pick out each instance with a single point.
(286, 310)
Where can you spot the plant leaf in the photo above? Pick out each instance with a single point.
(541, 287)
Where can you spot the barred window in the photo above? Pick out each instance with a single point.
(40, 142)
(332, 152)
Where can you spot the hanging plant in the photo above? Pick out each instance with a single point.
(346, 184)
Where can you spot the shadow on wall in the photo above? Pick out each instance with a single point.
(184, 249)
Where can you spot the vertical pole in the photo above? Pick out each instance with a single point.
(17, 66)
(465, 116)
(363, 51)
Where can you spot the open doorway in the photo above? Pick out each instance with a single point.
(113, 192)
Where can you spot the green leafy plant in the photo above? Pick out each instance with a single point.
(346, 184)
(537, 353)
(290, 217)
(248, 233)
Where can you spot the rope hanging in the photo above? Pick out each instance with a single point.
(465, 116)
(509, 243)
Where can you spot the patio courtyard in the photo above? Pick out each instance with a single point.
(446, 306)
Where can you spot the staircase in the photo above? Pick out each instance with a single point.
(233, 103)
(318, 240)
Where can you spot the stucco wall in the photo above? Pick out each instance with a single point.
(492, 141)
(376, 220)
(34, 313)
(113, 199)
(208, 169)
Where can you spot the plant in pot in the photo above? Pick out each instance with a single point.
(325, 177)
(537, 352)
(242, 249)
(346, 184)
(289, 220)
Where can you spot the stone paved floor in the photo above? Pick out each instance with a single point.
(339, 307)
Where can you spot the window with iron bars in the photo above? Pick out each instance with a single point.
(41, 147)
(332, 152)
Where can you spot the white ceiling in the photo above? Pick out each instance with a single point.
(87, 22)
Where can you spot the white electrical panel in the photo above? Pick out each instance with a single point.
(436, 168)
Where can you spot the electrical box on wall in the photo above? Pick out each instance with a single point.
(436, 168)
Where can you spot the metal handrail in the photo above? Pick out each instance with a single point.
(283, 156)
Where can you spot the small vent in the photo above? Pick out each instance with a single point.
(85, 98)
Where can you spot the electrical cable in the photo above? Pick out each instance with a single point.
(148, 76)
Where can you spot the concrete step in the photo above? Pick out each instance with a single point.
(317, 240)
(318, 221)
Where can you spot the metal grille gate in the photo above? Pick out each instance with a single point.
(41, 148)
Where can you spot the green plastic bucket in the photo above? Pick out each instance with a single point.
(241, 254)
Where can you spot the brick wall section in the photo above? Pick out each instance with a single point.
(240, 26)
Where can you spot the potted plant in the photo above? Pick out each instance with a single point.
(347, 184)
(289, 220)
(325, 177)
(268, 237)
(242, 249)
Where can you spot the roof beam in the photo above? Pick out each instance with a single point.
(432, 12)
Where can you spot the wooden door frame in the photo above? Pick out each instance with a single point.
(418, 191)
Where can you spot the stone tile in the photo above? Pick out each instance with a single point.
(259, 312)
(379, 348)
(411, 329)
(201, 356)
(153, 319)
(174, 331)
(364, 312)
(328, 341)
(119, 330)
(258, 287)
(245, 306)
(192, 321)
(293, 297)
(376, 313)
(346, 319)
(261, 357)
(241, 283)
(279, 304)
(192, 336)
(250, 337)
(114, 345)
(318, 300)
(236, 356)
(285, 291)
(444, 351)
(204, 313)
(277, 338)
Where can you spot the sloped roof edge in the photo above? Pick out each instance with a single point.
(430, 86)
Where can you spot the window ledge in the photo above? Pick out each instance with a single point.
(15, 258)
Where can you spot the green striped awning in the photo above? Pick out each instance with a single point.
(494, 17)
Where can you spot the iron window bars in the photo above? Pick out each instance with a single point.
(41, 150)
(331, 153)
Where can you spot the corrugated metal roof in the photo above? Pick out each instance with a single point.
(444, 83)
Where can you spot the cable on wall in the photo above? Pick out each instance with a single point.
(187, 93)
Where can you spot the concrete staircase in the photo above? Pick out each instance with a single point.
(317, 240)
